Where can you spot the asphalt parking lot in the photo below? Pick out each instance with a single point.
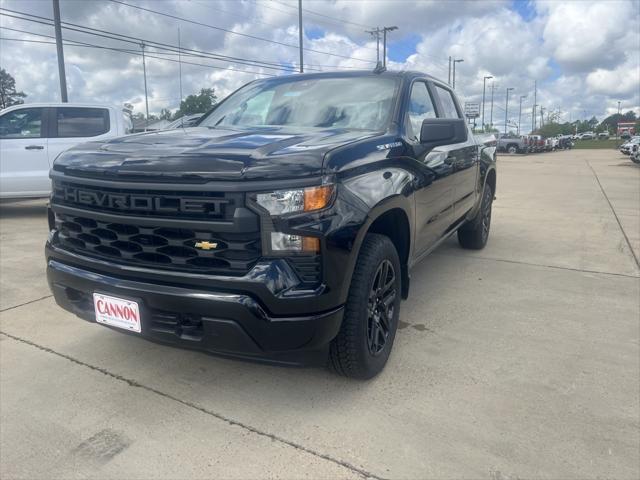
(518, 361)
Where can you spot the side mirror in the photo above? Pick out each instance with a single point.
(443, 131)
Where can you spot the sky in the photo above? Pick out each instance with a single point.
(584, 55)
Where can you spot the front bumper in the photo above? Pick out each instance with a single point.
(215, 321)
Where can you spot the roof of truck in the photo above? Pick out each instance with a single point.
(362, 73)
(60, 104)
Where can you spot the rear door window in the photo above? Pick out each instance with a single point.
(81, 122)
(449, 109)
(22, 123)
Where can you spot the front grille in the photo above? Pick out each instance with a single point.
(158, 246)
(148, 202)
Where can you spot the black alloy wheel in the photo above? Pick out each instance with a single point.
(381, 307)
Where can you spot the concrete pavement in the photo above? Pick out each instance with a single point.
(521, 360)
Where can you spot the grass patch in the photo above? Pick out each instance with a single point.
(589, 144)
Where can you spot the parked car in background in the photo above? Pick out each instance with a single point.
(587, 136)
(511, 143)
(627, 147)
(549, 144)
(603, 136)
(635, 155)
(565, 142)
(33, 135)
(185, 121)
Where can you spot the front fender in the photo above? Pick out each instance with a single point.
(361, 198)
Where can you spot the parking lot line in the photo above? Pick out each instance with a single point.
(219, 416)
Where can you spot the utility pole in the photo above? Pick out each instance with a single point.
(61, 72)
(522, 97)
(449, 80)
(384, 43)
(533, 112)
(146, 96)
(541, 117)
(376, 34)
(180, 64)
(300, 34)
(484, 86)
(506, 111)
(454, 70)
(493, 88)
(618, 107)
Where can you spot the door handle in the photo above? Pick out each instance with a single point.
(34, 147)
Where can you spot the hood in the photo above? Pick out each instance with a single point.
(204, 154)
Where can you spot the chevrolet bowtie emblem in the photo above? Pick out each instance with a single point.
(206, 245)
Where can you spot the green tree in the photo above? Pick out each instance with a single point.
(165, 114)
(610, 123)
(8, 94)
(201, 103)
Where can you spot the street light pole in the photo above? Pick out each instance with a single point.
(60, 51)
(384, 43)
(376, 33)
(484, 86)
(618, 107)
(493, 87)
(454, 70)
(535, 100)
(300, 34)
(506, 110)
(146, 96)
(522, 97)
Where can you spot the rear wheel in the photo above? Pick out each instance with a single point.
(475, 233)
(362, 347)
(512, 149)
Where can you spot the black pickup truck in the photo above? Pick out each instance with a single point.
(282, 227)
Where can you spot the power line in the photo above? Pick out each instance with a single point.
(159, 45)
(360, 25)
(175, 50)
(235, 33)
(322, 22)
(73, 43)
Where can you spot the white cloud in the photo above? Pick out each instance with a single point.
(590, 34)
(584, 55)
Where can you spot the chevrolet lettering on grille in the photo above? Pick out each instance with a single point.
(140, 203)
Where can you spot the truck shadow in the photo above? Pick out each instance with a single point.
(216, 381)
(23, 208)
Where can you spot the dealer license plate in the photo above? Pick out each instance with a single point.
(117, 312)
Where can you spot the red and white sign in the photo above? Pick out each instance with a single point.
(117, 312)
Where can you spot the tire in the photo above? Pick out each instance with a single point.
(363, 344)
(475, 233)
(512, 149)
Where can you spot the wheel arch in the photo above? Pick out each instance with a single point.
(491, 179)
(394, 224)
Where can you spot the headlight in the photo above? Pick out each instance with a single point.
(309, 199)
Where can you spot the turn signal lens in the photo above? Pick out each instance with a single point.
(310, 244)
(285, 242)
(316, 198)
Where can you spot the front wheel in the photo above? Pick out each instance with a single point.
(512, 149)
(475, 233)
(363, 344)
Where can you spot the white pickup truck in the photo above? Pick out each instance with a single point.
(33, 135)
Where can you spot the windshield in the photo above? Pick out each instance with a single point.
(363, 103)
